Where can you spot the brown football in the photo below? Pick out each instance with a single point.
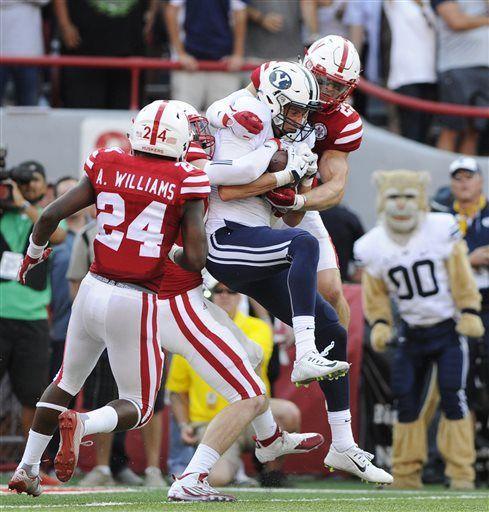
(278, 161)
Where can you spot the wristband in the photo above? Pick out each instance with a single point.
(307, 182)
(300, 202)
(283, 177)
(35, 251)
(471, 311)
(173, 251)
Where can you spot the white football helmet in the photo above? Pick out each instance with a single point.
(287, 86)
(200, 127)
(161, 128)
(335, 63)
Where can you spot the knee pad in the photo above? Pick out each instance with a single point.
(453, 403)
(306, 244)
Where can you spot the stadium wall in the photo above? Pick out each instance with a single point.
(61, 138)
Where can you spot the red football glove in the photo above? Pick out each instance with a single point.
(243, 123)
(28, 263)
(285, 199)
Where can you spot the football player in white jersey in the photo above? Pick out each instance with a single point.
(420, 260)
(278, 267)
(335, 63)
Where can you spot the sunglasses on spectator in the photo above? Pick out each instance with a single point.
(218, 291)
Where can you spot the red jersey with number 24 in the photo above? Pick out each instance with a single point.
(139, 204)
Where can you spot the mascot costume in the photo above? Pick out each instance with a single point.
(419, 260)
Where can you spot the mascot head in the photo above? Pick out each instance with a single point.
(401, 199)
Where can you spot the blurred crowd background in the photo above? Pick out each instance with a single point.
(412, 47)
(415, 47)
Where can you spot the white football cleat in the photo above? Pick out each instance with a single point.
(314, 366)
(195, 487)
(22, 482)
(284, 443)
(71, 432)
(357, 462)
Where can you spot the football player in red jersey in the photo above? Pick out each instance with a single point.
(143, 200)
(201, 332)
(335, 63)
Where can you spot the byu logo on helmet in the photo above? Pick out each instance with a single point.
(280, 79)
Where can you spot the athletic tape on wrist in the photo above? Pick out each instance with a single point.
(283, 178)
(35, 251)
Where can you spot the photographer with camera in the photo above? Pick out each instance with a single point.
(24, 332)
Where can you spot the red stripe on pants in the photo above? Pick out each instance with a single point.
(204, 352)
(156, 346)
(144, 364)
(221, 344)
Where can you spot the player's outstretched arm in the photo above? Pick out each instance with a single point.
(74, 200)
(194, 252)
(333, 169)
(263, 184)
(243, 170)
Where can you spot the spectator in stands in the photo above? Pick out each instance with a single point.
(472, 212)
(274, 30)
(21, 35)
(412, 69)
(24, 331)
(463, 67)
(213, 30)
(103, 27)
(363, 20)
(100, 388)
(322, 18)
(344, 228)
(194, 403)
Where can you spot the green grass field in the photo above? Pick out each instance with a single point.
(322, 496)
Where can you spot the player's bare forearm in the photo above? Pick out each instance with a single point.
(194, 252)
(73, 201)
(263, 184)
(333, 169)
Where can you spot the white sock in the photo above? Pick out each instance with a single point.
(105, 470)
(204, 458)
(264, 425)
(34, 448)
(100, 420)
(304, 335)
(341, 433)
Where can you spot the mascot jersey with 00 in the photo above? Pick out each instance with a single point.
(415, 273)
(139, 203)
(178, 280)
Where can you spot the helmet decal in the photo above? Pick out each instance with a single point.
(280, 79)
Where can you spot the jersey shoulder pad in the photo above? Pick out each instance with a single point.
(194, 183)
(443, 227)
(348, 128)
(98, 156)
(365, 249)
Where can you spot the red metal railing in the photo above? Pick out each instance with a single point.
(137, 64)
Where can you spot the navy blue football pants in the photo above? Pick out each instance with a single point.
(419, 349)
(278, 268)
